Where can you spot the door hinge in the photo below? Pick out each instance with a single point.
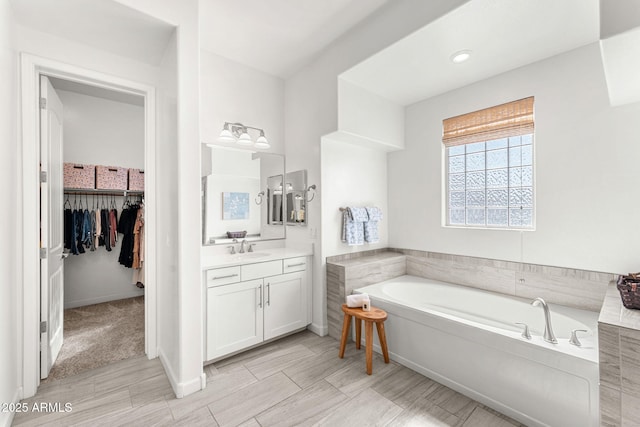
(43, 176)
(43, 253)
(43, 103)
(43, 327)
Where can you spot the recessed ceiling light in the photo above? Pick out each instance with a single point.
(460, 56)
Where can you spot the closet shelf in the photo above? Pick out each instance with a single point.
(88, 191)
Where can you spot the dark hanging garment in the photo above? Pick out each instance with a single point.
(77, 247)
(125, 227)
(105, 235)
(92, 237)
(68, 229)
(86, 229)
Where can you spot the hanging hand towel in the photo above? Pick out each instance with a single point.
(353, 228)
(371, 234)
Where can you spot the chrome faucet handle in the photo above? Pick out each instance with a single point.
(233, 249)
(251, 245)
(525, 333)
(574, 337)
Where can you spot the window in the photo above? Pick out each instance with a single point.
(489, 167)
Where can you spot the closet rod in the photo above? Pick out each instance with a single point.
(88, 191)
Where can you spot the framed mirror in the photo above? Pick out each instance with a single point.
(296, 203)
(235, 196)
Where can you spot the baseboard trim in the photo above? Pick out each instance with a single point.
(181, 389)
(6, 418)
(167, 369)
(319, 329)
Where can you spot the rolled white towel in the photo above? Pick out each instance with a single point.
(357, 300)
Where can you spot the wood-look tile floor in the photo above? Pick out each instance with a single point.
(298, 380)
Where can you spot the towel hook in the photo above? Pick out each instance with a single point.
(311, 187)
(258, 199)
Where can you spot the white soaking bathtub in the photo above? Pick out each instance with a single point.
(467, 339)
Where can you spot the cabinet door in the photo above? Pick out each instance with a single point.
(234, 317)
(285, 304)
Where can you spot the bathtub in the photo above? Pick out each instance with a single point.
(467, 339)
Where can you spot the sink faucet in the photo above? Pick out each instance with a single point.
(548, 330)
(241, 251)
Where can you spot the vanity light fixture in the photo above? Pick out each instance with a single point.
(239, 133)
(460, 56)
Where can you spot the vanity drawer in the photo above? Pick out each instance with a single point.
(223, 276)
(261, 269)
(290, 265)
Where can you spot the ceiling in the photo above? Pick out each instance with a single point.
(277, 36)
(502, 35)
(97, 91)
(104, 24)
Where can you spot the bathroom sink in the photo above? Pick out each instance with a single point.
(249, 255)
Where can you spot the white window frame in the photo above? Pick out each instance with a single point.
(509, 167)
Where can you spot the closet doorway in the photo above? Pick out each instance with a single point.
(102, 141)
(120, 301)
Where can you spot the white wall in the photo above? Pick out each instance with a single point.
(180, 319)
(377, 121)
(232, 92)
(9, 352)
(311, 103)
(351, 176)
(167, 238)
(585, 172)
(99, 131)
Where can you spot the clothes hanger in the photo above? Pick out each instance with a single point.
(67, 202)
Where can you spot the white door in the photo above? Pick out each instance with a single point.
(285, 305)
(51, 227)
(234, 317)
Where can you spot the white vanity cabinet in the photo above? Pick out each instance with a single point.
(234, 317)
(251, 303)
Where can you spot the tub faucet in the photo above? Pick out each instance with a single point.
(548, 330)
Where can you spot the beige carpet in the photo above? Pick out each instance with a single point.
(99, 334)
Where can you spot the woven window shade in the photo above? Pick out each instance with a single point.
(510, 119)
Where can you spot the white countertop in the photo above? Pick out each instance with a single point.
(261, 255)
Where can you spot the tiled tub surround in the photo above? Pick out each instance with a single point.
(565, 286)
(619, 336)
(619, 398)
(348, 272)
(469, 342)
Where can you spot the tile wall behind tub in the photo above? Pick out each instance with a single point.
(566, 286)
(354, 270)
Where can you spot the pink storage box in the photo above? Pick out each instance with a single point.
(136, 179)
(79, 176)
(111, 178)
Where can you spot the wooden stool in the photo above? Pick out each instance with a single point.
(377, 316)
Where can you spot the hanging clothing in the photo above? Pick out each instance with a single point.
(125, 227)
(68, 228)
(138, 249)
(92, 237)
(137, 228)
(105, 239)
(76, 246)
(86, 229)
(113, 227)
(98, 230)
